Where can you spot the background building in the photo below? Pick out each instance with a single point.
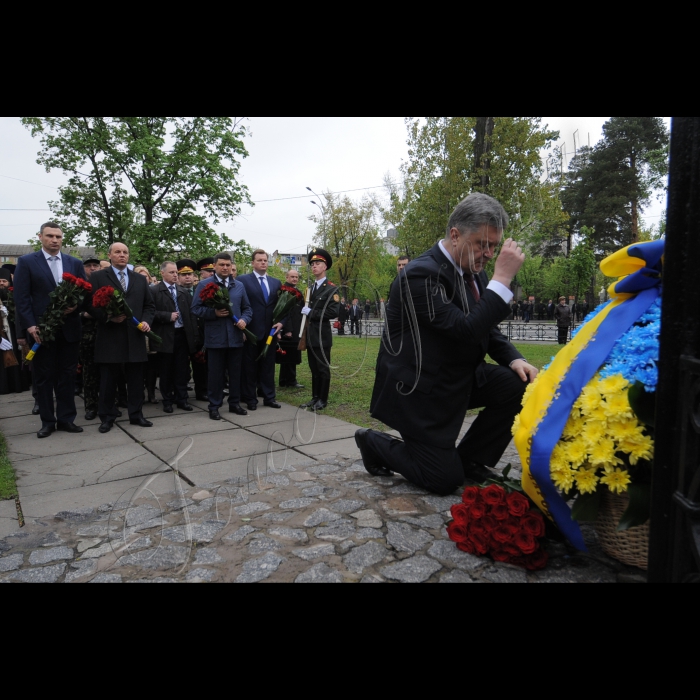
(12, 253)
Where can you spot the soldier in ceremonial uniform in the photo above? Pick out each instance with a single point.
(206, 269)
(186, 273)
(323, 308)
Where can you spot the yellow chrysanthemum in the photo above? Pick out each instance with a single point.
(603, 453)
(637, 451)
(624, 430)
(593, 432)
(564, 479)
(574, 427)
(590, 399)
(618, 407)
(586, 481)
(612, 386)
(560, 455)
(516, 425)
(617, 481)
(577, 452)
(599, 415)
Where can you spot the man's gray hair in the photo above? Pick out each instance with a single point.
(475, 212)
(166, 264)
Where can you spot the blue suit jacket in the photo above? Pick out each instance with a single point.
(221, 333)
(34, 283)
(262, 311)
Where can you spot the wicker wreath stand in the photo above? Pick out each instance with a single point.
(631, 547)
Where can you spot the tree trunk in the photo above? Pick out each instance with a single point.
(482, 151)
(635, 204)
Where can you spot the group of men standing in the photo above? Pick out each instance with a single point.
(192, 338)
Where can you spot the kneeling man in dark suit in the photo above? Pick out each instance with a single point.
(441, 324)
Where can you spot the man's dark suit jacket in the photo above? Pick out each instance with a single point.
(117, 343)
(163, 324)
(33, 284)
(261, 325)
(453, 334)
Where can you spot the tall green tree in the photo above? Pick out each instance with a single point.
(160, 184)
(608, 187)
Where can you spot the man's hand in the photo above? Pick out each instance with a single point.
(145, 328)
(222, 313)
(288, 335)
(509, 263)
(241, 325)
(34, 332)
(118, 319)
(68, 312)
(525, 371)
(279, 327)
(174, 317)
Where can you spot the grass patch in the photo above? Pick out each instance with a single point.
(354, 361)
(8, 485)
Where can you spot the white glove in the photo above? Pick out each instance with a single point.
(5, 345)
(4, 311)
(306, 310)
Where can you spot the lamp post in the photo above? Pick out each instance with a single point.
(323, 214)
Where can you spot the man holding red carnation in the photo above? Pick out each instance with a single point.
(55, 364)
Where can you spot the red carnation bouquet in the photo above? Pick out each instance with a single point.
(114, 303)
(491, 521)
(69, 294)
(288, 298)
(215, 297)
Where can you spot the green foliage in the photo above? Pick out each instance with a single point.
(159, 184)
(451, 157)
(8, 483)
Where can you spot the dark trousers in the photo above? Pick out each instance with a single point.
(319, 364)
(54, 369)
(355, 327)
(175, 371)
(152, 374)
(91, 374)
(219, 362)
(257, 374)
(200, 374)
(442, 470)
(109, 376)
(288, 375)
(563, 335)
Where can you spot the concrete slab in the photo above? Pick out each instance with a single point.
(8, 509)
(211, 448)
(8, 527)
(176, 426)
(306, 429)
(331, 450)
(151, 411)
(65, 472)
(263, 416)
(24, 447)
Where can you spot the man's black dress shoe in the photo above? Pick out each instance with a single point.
(120, 414)
(311, 403)
(106, 426)
(168, 409)
(151, 399)
(372, 464)
(478, 473)
(90, 416)
(272, 404)
(46, 431)
(252, 407)
(68, 428)
(185, 407)
(201, 397)
(142, 423)
(36, 410)
(237, 410)
(298, 386)
(320, 406)
(214, 415)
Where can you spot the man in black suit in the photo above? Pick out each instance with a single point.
(322, 309)
(55, 365)
(263, 294)
(453, 319)
(355, 318)
(290, 341)
(119, 342)
(178, 328)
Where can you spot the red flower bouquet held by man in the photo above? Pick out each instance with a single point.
(65, 299)
(217, 298)
(113, 302)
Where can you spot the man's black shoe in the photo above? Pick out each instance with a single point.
(168, 409)
(36, 410)
(237, 410)
(106, 426)
(46, 431)
(151, 399)
(272, 404)
(68, 428)
(90, 416)
(311, 403)
(252, 407)
(120, 414)
(202, 397)
(142, 423)
(478, 473)
(185, 407)
(320, 406)
(298, 386)
(372, 464)
(214, 415)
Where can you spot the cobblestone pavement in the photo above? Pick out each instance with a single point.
(315, 522)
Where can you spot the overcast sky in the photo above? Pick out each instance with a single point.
(287, 155)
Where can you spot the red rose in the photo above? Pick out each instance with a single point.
(481, 543)
(457, 533)
(538, 561)
(466, 547)
(501, 556)
(500, 512)
(71, 279)
(503, 535)
(471, 496)
(103, 297)
(85, 286)
(478, 527)
(478, 510)
(513, 526)
(493, 495)
(11, 289)
(518, 505)
(512, 550)
(526, 543)
(533, 524)
(460, 514)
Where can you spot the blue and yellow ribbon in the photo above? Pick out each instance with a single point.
(552, 399)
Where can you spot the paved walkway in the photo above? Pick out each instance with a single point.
(276, 496)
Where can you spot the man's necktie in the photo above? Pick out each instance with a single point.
(173, 291)
(475, 289)
(266, 294)
(122, 279)
(54, 269)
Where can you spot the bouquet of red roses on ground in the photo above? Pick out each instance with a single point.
(288, 298)
(215, 297)
(500, 523)
(69, 294)
(115, 305)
